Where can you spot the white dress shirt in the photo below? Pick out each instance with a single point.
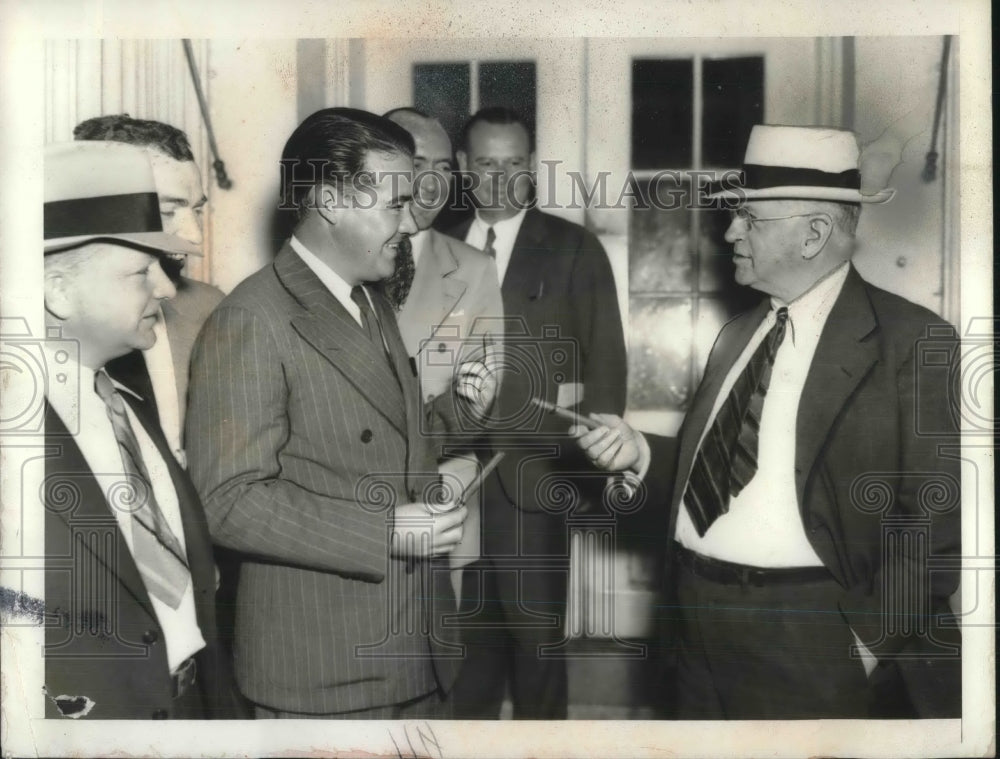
(418, 243)
(160, 366)
(763, 527)
(96, 440)
(331, 280)
(506, 234)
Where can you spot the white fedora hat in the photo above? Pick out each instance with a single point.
(104, 191)
(815, 163)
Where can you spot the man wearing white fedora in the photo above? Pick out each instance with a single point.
(129, 577)
(161, 372)
(810, 486)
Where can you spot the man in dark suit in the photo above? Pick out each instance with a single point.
(816, 471)
(160, 373)
(564, 344)
(304, 429)
(130, 630)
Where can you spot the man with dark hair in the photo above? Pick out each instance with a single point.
(130, 583)
(559, 298)
(817, 470)
(305, 435)
(160, 373)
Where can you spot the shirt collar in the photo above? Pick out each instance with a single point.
(815, 304)
(507, 227)
(333, 281)
(418, 242)
(64, 395)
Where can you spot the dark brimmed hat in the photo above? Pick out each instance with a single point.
(814, 163)
(104, 192)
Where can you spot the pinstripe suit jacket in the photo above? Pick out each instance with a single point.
(300, 440)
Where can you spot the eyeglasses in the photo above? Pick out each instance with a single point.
(749, 219)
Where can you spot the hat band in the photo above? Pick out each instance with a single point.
(759, 177)
(102, 216)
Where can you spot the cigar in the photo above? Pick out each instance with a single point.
(565, 413)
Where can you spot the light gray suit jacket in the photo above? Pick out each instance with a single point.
(454, 301)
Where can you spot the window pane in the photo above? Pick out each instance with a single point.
(733, 97)
(442, 90)
(659, 249)
(510, 84)
(659, 355)
(662, 114)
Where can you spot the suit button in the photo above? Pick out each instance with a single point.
(366, 436)
(160, 714)
(150, 636)
(441, 347)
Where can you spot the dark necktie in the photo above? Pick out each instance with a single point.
(488, 249)
(727, 459)
(368, 321)
(157, 551)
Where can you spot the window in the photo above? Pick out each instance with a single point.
(687, 113)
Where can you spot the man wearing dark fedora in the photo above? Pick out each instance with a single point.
(129, 578)
(815, 477)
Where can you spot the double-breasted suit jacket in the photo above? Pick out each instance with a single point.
(876, 451)
(302, 436)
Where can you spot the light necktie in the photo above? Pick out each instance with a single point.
(488, 249)
(727, 458)
(157, 552)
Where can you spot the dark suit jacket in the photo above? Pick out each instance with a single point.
(102, 638)
(301, 440)
(563, 326)
(876, 440)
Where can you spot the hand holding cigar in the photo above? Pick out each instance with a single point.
(565, 413)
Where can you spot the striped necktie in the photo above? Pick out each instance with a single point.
(157, 551)
(488, 249)
(727, 458)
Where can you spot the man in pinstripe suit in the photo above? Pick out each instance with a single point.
(303, 432)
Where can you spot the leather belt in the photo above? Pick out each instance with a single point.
(184, 677)
(728, 573)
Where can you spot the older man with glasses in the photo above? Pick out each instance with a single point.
(800, 515)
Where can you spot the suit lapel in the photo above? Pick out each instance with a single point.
(731, 342)
(68, 468)
(844, 355)
(436, 291)
(131, 371)
(331, 330)
(525, 276)
(407, 382)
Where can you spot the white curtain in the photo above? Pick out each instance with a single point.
(147, 79)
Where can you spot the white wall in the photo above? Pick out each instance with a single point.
(903, 242)
(252, 88)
